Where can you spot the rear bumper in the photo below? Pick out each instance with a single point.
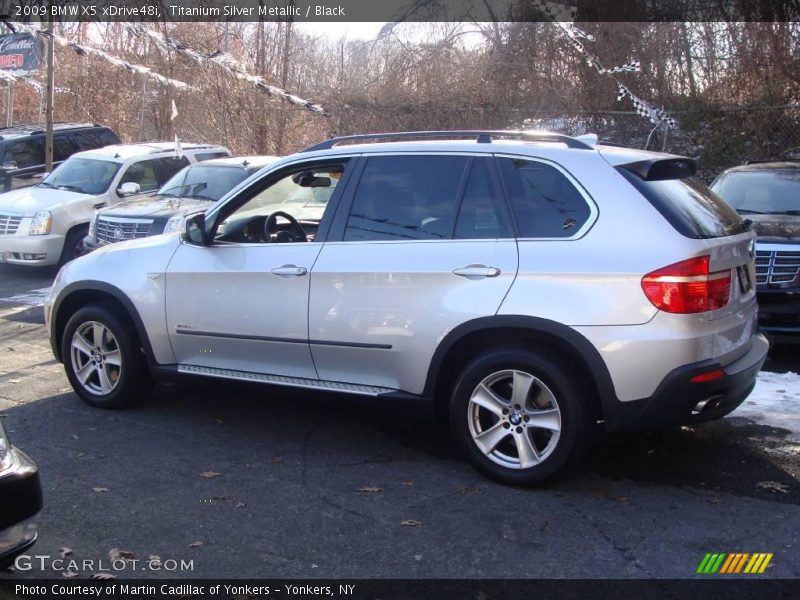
(21, 499)
(677, 399)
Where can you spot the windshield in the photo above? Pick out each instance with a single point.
(204, 182)
(83, 175)
(761, 193)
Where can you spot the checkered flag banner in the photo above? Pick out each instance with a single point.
(83, 50)
(554, 11)
(224, 61)
(631, 67)
(654, 115)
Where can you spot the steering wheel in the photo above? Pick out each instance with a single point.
(295, 231)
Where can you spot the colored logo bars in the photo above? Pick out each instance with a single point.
(739, 562)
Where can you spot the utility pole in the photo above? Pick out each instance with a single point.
(50, 91)
(222, 95)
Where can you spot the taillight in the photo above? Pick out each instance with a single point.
(688, 287)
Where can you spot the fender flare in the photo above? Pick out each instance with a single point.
(113, 291)
(534, 325)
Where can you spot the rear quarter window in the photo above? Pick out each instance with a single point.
(689, 206)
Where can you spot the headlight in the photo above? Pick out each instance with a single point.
(5, 450)
(93, 225)
(41, 223)
(176, 223)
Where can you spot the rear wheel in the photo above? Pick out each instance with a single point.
(73, 245)
(518, 416)
(102, 358)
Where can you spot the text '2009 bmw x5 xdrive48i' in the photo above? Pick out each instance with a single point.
(530, 284)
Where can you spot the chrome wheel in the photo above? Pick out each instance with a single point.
(514, 419)
(96, 358)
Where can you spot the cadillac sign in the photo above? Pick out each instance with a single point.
(20, 53)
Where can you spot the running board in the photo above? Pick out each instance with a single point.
(299, 382)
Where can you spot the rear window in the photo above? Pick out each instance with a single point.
(761, 193)
(690, 206)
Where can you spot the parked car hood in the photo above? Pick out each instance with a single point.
(27, 201)
(154, 205)
(776, 228)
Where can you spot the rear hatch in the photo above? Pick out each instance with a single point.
(670, 185)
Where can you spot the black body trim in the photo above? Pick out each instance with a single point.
(20, 491)
(569, 336)
(262, 338)
(111, 290)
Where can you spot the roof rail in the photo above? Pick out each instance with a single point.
(483, 137)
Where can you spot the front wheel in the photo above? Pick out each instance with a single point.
(102, 358)
(73, 245)
(518, 416)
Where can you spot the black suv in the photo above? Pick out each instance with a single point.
(768, 193)
(22, 149)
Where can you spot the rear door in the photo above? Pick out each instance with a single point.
(420, 244)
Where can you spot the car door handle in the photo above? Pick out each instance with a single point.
(477, 271)
(289, 271)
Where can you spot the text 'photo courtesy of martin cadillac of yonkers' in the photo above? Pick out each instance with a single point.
(406, 300)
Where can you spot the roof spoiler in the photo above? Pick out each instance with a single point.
(659, 169)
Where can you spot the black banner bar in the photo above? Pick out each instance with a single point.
(400, 10)
(712, 587)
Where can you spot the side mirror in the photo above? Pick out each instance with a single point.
(195, 232)
(129, 188)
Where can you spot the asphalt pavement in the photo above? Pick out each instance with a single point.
(222, 480)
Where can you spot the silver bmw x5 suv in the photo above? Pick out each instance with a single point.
(532, 285)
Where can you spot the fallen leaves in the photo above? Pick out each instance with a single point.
(69, 574)
(100, 490)
(370, 489)
(408, 483)
(103, 576)
(195, 544)
(209, 474)
(117, 554)
(410, 523)
(65, 552)
(774, 486)
(15, 381)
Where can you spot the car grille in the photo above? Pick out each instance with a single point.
(114, 229)
(9, 224)
(776, 267)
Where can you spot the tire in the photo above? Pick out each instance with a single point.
(519, 440)
(107, 374)
(73, 245)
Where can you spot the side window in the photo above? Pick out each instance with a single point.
(27, 153)
(168, 166)
(545, 203)
(62, 148)
(108, 137)
(480, 215)
(86, 140)
(406, 198)
(201, 156)
(143, 173)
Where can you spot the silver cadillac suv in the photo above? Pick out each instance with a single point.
(532, 285)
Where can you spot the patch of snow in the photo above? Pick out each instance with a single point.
(31, 298)
(774, 402)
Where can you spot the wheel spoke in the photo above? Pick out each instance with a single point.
(542, 398)
(488, 440)
(81, 344)
(544, 419)
(486, 398)
(113, 358)
(97, 332)
(521, 388)
(105, 383)
(85, 372)
(528, 456)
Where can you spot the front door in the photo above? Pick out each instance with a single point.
(241, 303)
